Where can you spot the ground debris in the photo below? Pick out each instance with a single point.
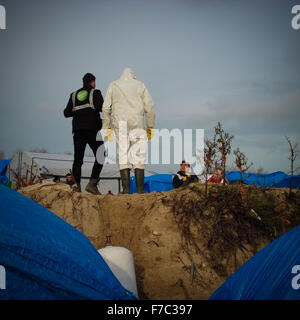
(185, 244)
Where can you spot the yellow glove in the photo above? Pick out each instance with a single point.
(184, 178)
(108, 133)
(188, 175)
(150, 132)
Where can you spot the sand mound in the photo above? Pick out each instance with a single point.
(184, 244)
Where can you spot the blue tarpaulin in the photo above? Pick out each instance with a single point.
(260, 180)
(46, 258)
(279, 179)
(3, 166)
(156, 182)
(285, 183)
(272, 274)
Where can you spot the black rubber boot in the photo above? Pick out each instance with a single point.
(139, 180)
(125, 178)
(92, 187)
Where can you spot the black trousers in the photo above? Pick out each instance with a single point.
(81, 138)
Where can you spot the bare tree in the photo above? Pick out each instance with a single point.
(260, 170)
(241, 162)
(2, 154)
(231, 167)
(293, 155)
(223, 140)
(209, 157)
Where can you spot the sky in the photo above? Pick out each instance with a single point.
(236, 62)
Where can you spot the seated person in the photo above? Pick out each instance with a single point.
(217, 177)
(56, 179)
(184, 176)
(69, 180)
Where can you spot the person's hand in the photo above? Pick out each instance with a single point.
(150, 133)
(188, 175)
(184, 178)
(108, 134)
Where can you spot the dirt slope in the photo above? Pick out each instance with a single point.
(184, 244)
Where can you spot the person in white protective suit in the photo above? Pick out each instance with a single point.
(126, 108)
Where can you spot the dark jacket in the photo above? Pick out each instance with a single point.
(179, 181)
(87, 118)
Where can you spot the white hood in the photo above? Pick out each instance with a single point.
(128, 74)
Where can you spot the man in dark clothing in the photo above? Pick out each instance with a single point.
(85, 106)
(183, 177)
(69, 179)
(56, 179)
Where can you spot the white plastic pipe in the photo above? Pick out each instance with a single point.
(121, 263)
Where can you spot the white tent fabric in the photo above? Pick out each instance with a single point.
(60, 164)
(52, 164)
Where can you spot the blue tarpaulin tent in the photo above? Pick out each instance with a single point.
(156, 182)
(3, 166)
(260, 180)
(279, 179)
(272, 274)
(285, 183)
(163, 182)
(44, 257)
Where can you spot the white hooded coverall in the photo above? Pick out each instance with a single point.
(128, 103)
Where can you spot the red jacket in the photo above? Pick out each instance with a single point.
(215, 179)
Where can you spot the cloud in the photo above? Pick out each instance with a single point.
(258, 126)
(273, 116)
